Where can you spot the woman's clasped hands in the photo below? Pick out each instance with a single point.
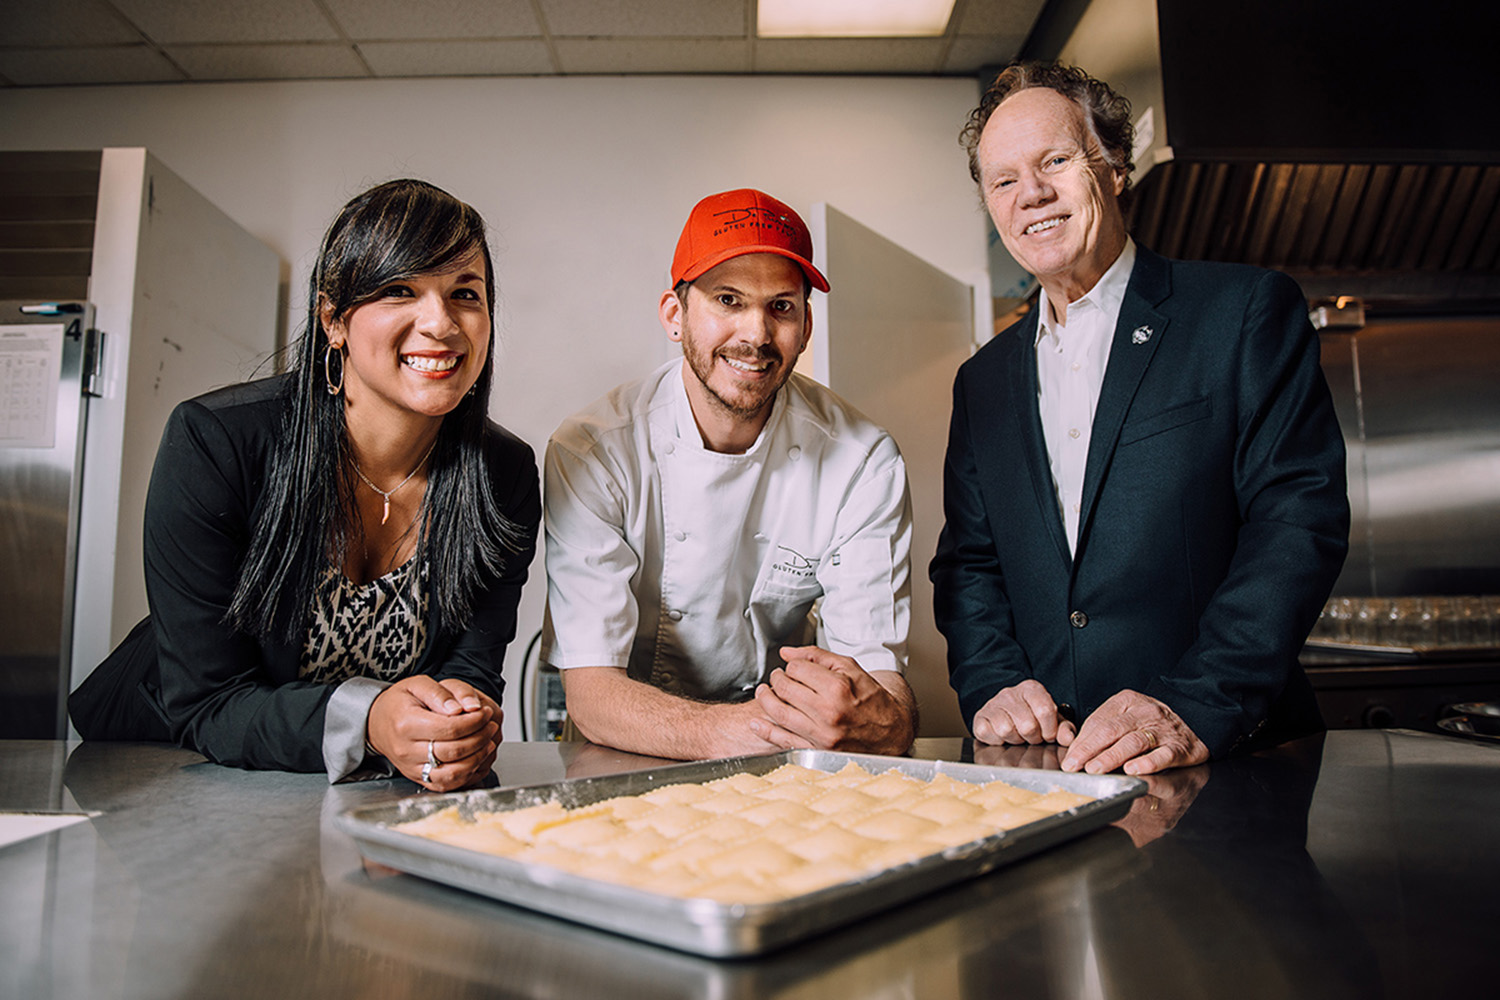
(442, 734)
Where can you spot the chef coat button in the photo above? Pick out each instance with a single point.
(794, 453)
(676, 615)
(1079, 619)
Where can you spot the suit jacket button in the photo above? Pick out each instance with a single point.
(1079, 619)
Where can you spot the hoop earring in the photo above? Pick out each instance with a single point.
(333, 390)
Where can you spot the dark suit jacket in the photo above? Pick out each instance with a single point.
(1214, 519)
(185, 675)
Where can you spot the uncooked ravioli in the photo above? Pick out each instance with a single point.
(752, 838)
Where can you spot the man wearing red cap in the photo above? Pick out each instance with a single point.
(727, 541)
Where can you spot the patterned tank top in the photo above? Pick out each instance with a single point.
(377, 629)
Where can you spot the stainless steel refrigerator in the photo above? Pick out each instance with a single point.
(185, 299)
(48, 358)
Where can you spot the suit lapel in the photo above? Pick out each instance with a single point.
(1137, 336)
(1022, 391)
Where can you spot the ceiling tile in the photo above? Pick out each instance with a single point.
(608, 55)
(62, 22)
(106, 64)
(494, 58)
(462, 20)
(186, 21)
(999, 17)
(969, 55)
(659, 18)
(847, 55)
(312, 61)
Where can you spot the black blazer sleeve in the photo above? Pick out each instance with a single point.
(1292, 526)
(233, 699)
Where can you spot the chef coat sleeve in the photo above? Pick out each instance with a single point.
(591, 608)
(865, 612)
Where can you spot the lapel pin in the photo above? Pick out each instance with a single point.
(1140, 335)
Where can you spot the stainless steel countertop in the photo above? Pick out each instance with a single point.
(1361, 864)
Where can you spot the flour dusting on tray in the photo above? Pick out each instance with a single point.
(751, 838)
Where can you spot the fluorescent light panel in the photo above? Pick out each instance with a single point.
(852, 18)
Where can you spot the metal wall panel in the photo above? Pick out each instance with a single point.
(1429, 426)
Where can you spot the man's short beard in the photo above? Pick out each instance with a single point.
(702, 371)
(703, 367)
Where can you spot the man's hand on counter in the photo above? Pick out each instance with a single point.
(827, 701)
(1135, 733)
(1023, 713)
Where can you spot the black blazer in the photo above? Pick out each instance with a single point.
(183, 674)
(1214, 519)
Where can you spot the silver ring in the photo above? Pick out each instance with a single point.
(426, 771)
(432, 760)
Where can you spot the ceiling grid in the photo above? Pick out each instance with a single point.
(46, 43)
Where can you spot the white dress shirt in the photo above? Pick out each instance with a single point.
(1070, 364)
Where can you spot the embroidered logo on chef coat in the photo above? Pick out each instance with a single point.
(793, 563)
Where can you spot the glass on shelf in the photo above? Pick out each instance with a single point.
(1429, 622)
(1336, 623)
(1472, 621)
(1435, 629)
(1370, 616)
(1403, 618)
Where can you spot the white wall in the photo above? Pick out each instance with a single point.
(585, 180)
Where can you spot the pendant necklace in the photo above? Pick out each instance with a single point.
(387, 494)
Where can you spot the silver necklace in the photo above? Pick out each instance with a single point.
(387, 494)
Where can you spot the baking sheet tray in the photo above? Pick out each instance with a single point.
(704, 926)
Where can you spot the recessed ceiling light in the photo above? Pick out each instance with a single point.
(852, 18)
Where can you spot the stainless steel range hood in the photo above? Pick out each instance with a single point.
(1355, 143)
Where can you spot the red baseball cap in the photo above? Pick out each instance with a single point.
(739, 222)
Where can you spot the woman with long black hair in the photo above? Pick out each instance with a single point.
(334, 555)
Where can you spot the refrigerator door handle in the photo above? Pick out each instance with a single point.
(93, 362)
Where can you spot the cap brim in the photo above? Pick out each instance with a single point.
(712, 261)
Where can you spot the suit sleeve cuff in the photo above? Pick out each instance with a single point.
(344, 750)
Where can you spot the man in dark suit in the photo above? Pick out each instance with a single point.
(1144, 490)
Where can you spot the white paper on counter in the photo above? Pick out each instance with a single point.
(20, 826)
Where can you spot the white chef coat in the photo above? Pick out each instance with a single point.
(691, 568)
